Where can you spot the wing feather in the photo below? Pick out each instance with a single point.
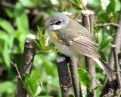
(79, 42)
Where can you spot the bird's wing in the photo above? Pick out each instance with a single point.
(79, 42)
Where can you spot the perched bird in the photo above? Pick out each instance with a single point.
(72, 39)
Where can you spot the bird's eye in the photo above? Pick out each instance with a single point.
(58, 22)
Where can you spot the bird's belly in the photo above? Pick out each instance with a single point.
(64, 49)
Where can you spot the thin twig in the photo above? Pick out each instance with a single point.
(15, 65)
(83, 5)
(107, 24)
(75, 80)
(7, 4)
(117, 43)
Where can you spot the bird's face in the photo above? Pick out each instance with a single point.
(58, 21)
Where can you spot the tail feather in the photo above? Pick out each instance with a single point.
(106, 68)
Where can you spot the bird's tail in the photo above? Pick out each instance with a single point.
(106, 68)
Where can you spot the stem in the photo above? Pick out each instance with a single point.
(88, 18)
(117, 66)
(117, 43)
(119, 69)
(64, 76)
(28, 57)
(75, 80)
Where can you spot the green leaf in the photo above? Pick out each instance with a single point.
(35, 73)
(27, 3)
(44, 96)
(30, 84)
(48, 65)
(76, 3)
(104, 4)
(104, 19)
(41, 42)
(103, 56)
(5, 48)
(7, 87)
(118, 5)
(84, 77)
(5, 25)
(104, 39)
(9, 12)
(111, 6)
(20, 40)
(100, 76)
(55, 2)
(30, 3)
(94, 3)
(5, 55)
(21, 18)
(116, 15)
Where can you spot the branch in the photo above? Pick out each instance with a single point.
(85, 8)
(75, 80)
(107, 24)
(88, 17)
(117, 43)
(117, 66)
(119, 69)
(64, 77)
(35, 11)
(28, 57)
(15, 65)
(6, 4)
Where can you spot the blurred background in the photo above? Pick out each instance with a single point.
(21, 17)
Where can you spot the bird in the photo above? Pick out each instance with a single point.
(72, 39)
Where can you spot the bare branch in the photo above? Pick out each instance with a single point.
(28, 57)
(64, 76)
(7, 4)
(117, 43)
(116, 66)
(75, 80)
(88, 17)
(119, 69)
(107, 24)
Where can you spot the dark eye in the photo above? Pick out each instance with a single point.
(58, 22)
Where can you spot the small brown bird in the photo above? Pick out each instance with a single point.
(71, 38)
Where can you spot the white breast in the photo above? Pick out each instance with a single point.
(64, 49)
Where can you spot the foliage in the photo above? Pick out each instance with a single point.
(21, 17)
(84, 77)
